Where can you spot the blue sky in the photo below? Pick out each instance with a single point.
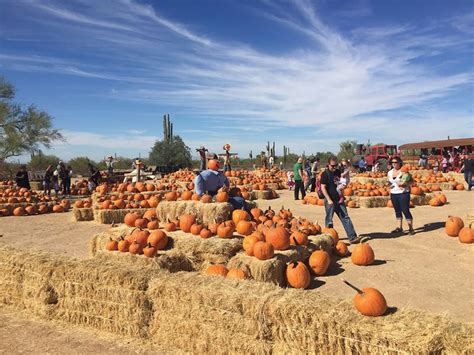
(305, 74)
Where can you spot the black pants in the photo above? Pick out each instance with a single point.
(401, 204)
(66, 186)
(299, 186)
(313, 184)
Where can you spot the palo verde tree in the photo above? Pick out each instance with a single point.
(347, 150)
(22, 129)
(170, 153)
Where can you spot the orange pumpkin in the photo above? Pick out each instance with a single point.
(319, 262)
(369, 301)
(466, 235)
(363, 255)
(453, 226)
(217, 270)
(341, 248)
(237, 274)
(158, 239)
(263, 250)
(186, 221)
(297, 275)
(279, 237)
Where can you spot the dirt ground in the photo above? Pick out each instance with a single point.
(428, 271)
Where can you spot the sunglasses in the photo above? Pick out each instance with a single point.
(395, 162)
(333, 166)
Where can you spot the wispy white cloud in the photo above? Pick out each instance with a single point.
(333, 79)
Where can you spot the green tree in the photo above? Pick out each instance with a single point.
(80, 165)
(41, 161)
(22, 129)
(347, 150)
(170, 152)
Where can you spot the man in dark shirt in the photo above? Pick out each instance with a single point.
(468, 171)
(22, 178)
(329, 180)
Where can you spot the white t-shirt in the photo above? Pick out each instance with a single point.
(395, 189)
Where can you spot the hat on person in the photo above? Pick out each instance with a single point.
(110, 156)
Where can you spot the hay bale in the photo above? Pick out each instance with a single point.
(203, 252)
(103, 296)
(115, 216)
(83, 214)
(263, 194)
(190, 311)
(205, 212)
(185, 252)
(372, 202)
(214, 315)
(24, 280)
(333, 327)
(368, 180)
(272, 270)
(262, 318)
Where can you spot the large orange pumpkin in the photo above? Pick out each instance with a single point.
(158, 239)
(453, 226)
(279, 237)
(319, 262)
(263, 250)
(466, 235)
(362, 255)
(240, 215)
(297, 275)
(369, 301)
(186, 221)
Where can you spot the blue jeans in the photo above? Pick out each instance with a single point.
(238, 202)
(468, 178)
(341, 211)
(401, 203)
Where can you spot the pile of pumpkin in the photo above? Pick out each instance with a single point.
(145, 239)
(454, 227)
(36, 208)
(373, 175)
(265, 232)
(433, 178)
(80, 188)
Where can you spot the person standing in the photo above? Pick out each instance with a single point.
(202, 158)
(444, 164)
(314, 174)
(65, 180)
(332, 203)
(48, 180)
(400, 196)
(362, 165)
(298, 176)
(55, 180)
(468, 169)
(22, 179)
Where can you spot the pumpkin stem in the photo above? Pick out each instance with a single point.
(354, 287)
